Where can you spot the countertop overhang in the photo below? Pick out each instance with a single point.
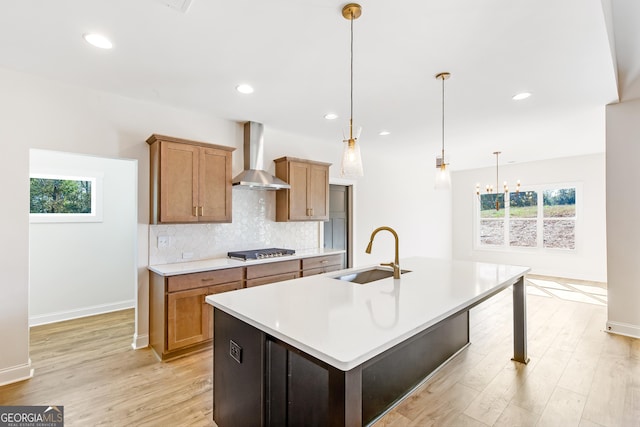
(222, 263)
(345, 324)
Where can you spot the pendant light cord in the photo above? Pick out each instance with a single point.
(497, 180)
(351, 113)
(443, 163)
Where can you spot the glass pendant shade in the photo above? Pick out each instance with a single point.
(443, 178)
(351, 165)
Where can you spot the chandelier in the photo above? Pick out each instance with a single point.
(489, 189)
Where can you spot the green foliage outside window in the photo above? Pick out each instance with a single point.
(488, 205)
(523, 204)
(61, 196)
(559, 203)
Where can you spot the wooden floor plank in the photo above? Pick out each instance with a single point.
(564, 409)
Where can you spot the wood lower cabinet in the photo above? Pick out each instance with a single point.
(308, 197)
(263, 274)
(321, 264)
(180, 319)
(190, 181)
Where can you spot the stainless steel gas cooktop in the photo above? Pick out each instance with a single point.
(261, 253)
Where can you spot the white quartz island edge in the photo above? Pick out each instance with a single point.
(345, 324)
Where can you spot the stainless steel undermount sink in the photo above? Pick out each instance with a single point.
(369, 275)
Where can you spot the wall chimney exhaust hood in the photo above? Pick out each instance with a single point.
(254, 176)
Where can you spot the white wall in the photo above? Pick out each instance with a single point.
(587, 261)
(84, 268)
(38, 113)
(623, 211)
(396, 191)
(15, 364)
(41, 114)
(399, 192)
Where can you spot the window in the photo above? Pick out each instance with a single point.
(492, 219)
(523, 219)
(559, 228)
(56, 198)
(537, 218)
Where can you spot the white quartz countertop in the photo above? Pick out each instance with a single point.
(345, 324)
(221, 263)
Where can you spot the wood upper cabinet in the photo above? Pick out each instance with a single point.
(308, 198)
(190, 181)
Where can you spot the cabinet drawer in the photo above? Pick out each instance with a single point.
(321, 261)
(327, 269)
(272, 279)
(206, 278)
(225, 287)
(272, 269)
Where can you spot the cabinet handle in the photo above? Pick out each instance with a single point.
(195, 211)
(201, 210)
(311, 212)
(324, 261)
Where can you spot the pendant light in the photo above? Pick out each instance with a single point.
(505, 188)
(351, 165)
(443, 175)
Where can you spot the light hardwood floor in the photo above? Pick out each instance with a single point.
(578, 374)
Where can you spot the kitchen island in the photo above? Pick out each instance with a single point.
(323, 351)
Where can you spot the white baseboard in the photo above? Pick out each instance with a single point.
(59, 316)
(140, 341)
(625, 329)
(16, 373)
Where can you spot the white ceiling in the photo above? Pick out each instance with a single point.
(296, 55)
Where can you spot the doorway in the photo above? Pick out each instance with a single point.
(338, 232)
(82, 266)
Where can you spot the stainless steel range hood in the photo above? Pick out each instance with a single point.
(254, 176)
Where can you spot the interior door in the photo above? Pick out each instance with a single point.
(336, 230)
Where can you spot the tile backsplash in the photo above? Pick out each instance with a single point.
(253, 227)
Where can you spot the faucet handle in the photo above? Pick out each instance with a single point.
(396, 268)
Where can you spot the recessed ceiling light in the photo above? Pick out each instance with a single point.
(520, 96)
(244, 88)
(98, 40)
(384, 133)
(331, 116)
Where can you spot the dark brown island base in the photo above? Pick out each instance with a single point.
(320, 351)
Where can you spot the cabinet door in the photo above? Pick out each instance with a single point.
(214, 190)
(299, 181)
(187, 318)
(318, 198)
(178, 185)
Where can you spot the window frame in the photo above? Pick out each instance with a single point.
(95, 215)
(539, 189)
